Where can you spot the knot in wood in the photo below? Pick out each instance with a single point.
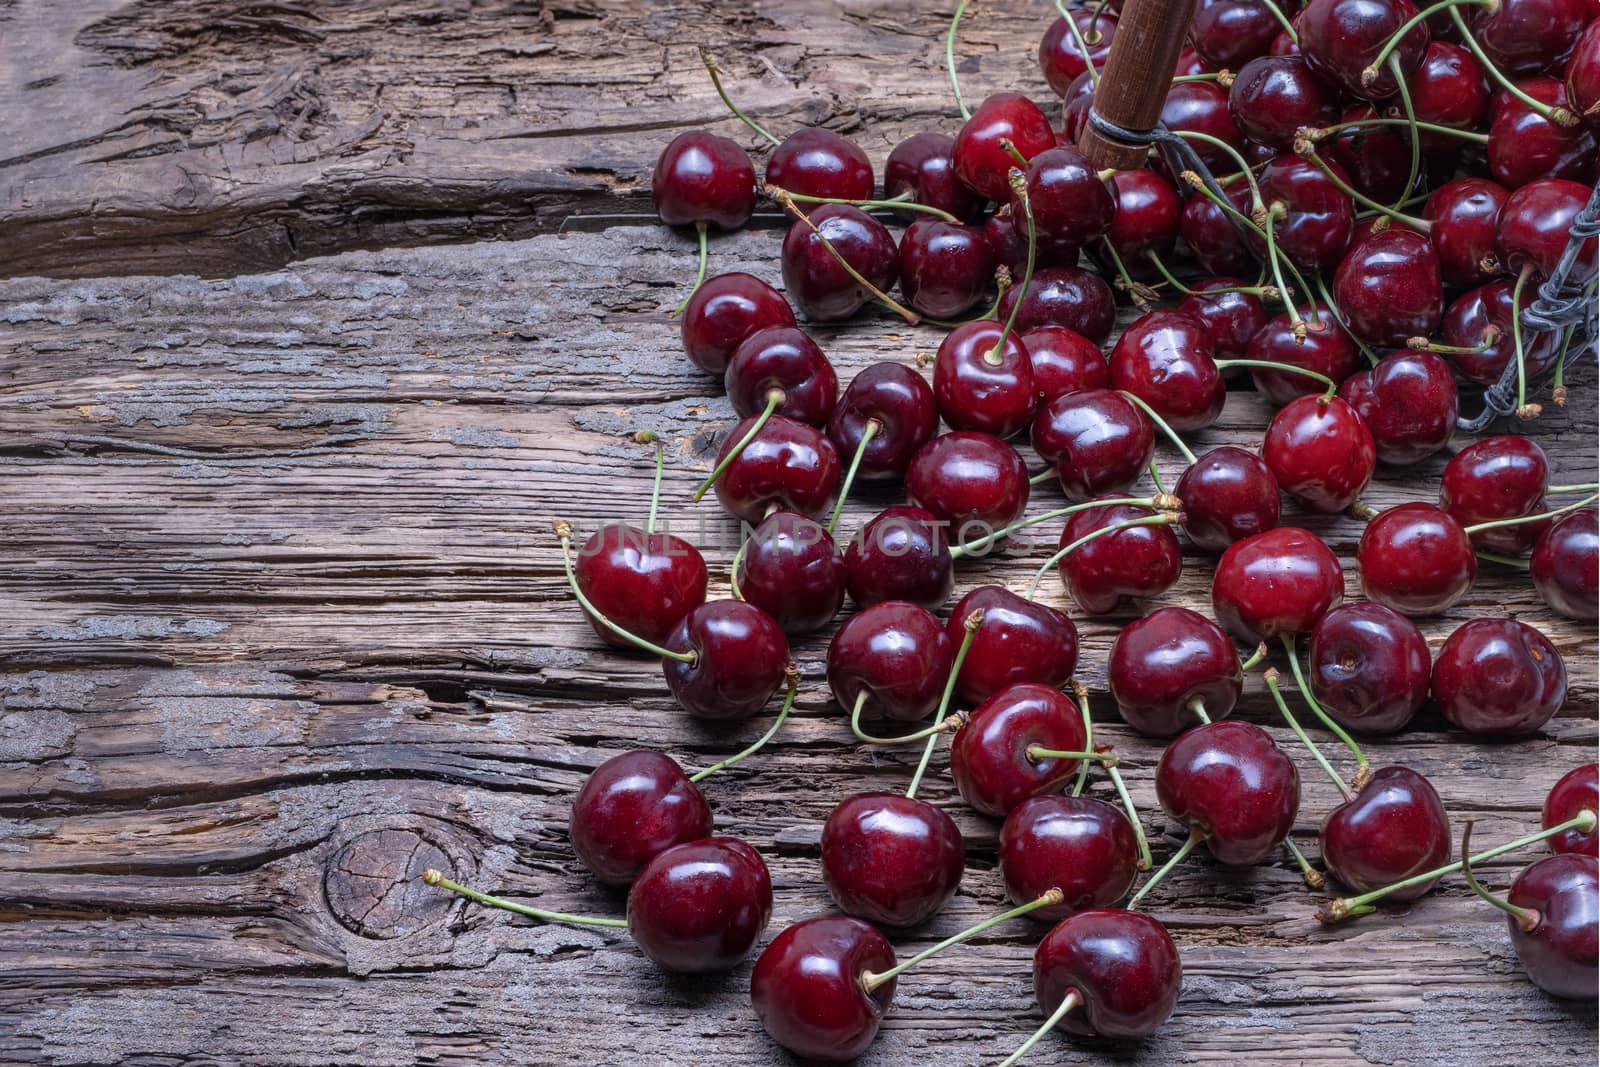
(373, 884)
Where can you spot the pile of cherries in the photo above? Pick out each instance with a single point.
(1388, 188)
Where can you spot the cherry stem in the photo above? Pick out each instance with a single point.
(896, 204)
(716, 80)
(1155, 476)
(1363, 768)
(1166, 869)
(1115, 774)
(868, 432)
(1478, 527)
(1255, 657)
(950, 58)
(922, 767)
(1421, 344)
(1083, 45)
(1150, 412)
(1265, 292)
(1370, 74)
(1504, 561)
(1043, 476)
(1069, 1003)
(988, 540)
(1307, 151)
(873, 979)
(1338, 318)
(1039, 752)
(435, 878)
(942, 726)
(1524, 409)
(1273, 259)
(1332, 386)
(1411, 118)
(1271, 678)
(791, 674)
(1214, 76)
(1350, 907)
(1019, 186)
(775, 400)
(942, 722)
(1565, 490)
(785, 200)
(1283, 20)
(564, 532)
(1141, 294)
(646, 437)
(1527, 918)
(1197, 705)
(1308, 873)
(1322, 133)
(1232, 153)
(1558, 115)
(1170, 518)
(1081, 691)
(733, 569)
(700, 276)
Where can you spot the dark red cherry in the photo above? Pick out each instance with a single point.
(631, 808)
(808, 992)
(1524, 146)
(902, 554)
(645, 583)
(791, 569)
(1577, 791)
(1064, 361)
(1191, 62)
(1063, 296)
(1479, 321)
(787, 465)
(785, 359)
(981, 162)
(1164, 663)
(817, 282)
(1368, 667)
(1164, 358)
(1146, 220)
(723, 312)
(1325, 348)
(1499, 677)
(1097, 440)
(1228, 494)
(1389, 288)
(1061, 57)
(1375, 159)
(1321, 452)
(989, 757)
(1007, 234)
(1318, 217)
(740, 657)
(895, 651)
(1211, 235)
(698, 908)
(1230, 317)
(1272, 97)
(1502, 477)
(817, 162)
(1566, 565)
(1463, 218)
(1230, 33)
(899, 403)
(1529, 36)
(1070, 203)
(923, 165)
(983, 381)
(1448, 88)
(1583, 76)
(1535, 224)
(1416, 559)
(1341, 38)
(1083, 847)
(1019, 641)
(974, 482)
(1202, 107)
(703, 178)
(1393, 828)
(1232, 786)
(1139, 562)
(1278, 582)
(945, 267)
(1123, 966)
(1409, 403)
(1559, 953)
(891, 859)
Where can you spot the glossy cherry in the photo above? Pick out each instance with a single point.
(895, 651)
(1202, 107)
(898, 403)
(945, 267)
(785, 359)
(989, 756)
(1324, 348)
(740, 657)
(1070, 202)
(1316, 220)
(1020, 641)
(923, 165)
(1232, 785)
(1535, 223)
(791, 569)
(1272, 97)
(1583, 76)
(983, 381)
(1525, 147)
(1368, 667)
(1499, 677)
(1448, 88)
(1064, 361)
(1122, 965)
(1098, 441)
(1375, 159)
(1062, 59)
(1211, 233)
(1416, 559)
(1501, 477)
(1320, 451)
(1086, 848)
(817, 282)
(1162, 665)
(1389, 288)
(1463, 224)
(631, 808)
(787, 465)
(699, 907)
(1138, 562)
(818, 162)
(1566, 565)
(981, 162)
(1577, 791)
(974, 482)
(1478, 325)
(723, 312)
(703, 178)
(1007, 234)
(1230, 33)
(891, 859)
(1393, 828)
(1559, 952)
(902, 554)
(1278, 582)
(1409, 403)
(1231, 317)
(1063, 296)
(808, 992)
(1228, 494)
(1164, 358)
(1145, 223)
(1529, 36)
(1341, 38)
(645, 583)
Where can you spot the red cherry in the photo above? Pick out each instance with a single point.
(631, 808)
(1060, 56)
(703, 178)
(891, 859)
(1164, 358)
(902, 554)
(1145, 222)
(1324, 348)
(1463, 218)
(1559, 952)
(1524, 146)
(1019, 641)
(1230, 33)
(983, 381)
(808, 992)
(1083, 847)
(989, 756)
(1138, 562)
(1577, 791)
(1448, 88)
(1529, 36)
(945, 267)
(740, 659)
(1272, 97)
(898, 403)
(981, 162)
(1210, 234)
(1097, 440)
(1501, 477)
(896, 652)
(1341, 38)
(1064, 361)
(1480, 320)
(1321, 452)
(1229, 316)
(791, 569)
(787, 465)
(973, 482)
(1534, 227)
(1123, 967)
(644, 583)
(698, 908)
(785, 359)
(1007, 234)
(1499, 677)
(1368, 667)
(1317, 217)
(1389, 288)
(723, 312)
(1394, 828)
(1228, 494)
(1409, 403)
(1416, 559)
(1583, 76)
(1162, 665)
(1070, 203)
(815, 279)
(1202, 107)
(1233, 787)
(1275, 583)
(817, 162)
(923, 165)
(1191, 62)
(1566, 565)
(1063, 296)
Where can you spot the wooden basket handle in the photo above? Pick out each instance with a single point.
(1138, 72)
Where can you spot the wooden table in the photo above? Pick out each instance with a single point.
(284, 622)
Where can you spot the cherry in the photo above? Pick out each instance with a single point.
(1202, 107)
(701, 178)
(1020, 641)
(1416, 559)
(1164, 358)
(1529, 36)
(1230, 33)
(983, 381)
(1393, 828)
(738, 656)
(1463, 218)
(1007, 234)
(1317, 219)
(897, 654)
(891, 859)
(1233, 787)
(1499, 676)
(1409, 403)
(1368, 667)
(1191, 62)
(902, 554)
(923, 165)
(1169, 668)
(1228, 494)
(1341, 40)
(1119, 969)
(1324, 348)
(815, 279)
(1389, 288)
(945, 267)
(1448, 88)
(643, 582)
(1098, 441)
(1272, 97)
(1561, 897)
(1063, 296)
(1534, 227)
(897, 403)
(1139, 561)
(785, 359)
(1075, 110)
(791, 569)
(1576, 791)
(1210, 234)
(1060, 56)
(1145, 223)
(1525, 146)
(992, 757)
(1070, 202)
(1501, 477)
(1231, 317)
(1477, 331)
(698, 908)
(808, 991)
(1375, 159)
(981, 161)
(1566, 565)
(1321, 452)
(783, 464)
(1275, 583)
(631, 808)
(974, 482)
(1064, 361)
(723, 312)
(817, 162)
(1083, 847)
(1583, 77)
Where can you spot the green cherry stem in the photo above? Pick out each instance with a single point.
(1264, 292)
(791, 674)
(1160, 423)
(700, 276)
(1270, 676)
(897, 204)
(736, 566)
(1504, 561)
(775, 400)
(1168, 518)
(1043, 476)
(1255, 658)
(645, 437)
(1306, 150)
(1145, 860)
(1166, 869)
(564, 532)
(1155, 477)
(868, 432)
(1197, 705)
(1283, 20)
(1411, 117)
(1567, 490)
(435, 878)
(1039, 752)
(1308, 873)
(942, 723)
(1491, 334)
(716, 81)
(1363, 768)
(1019, 186)
(1322, 133)
(1081, 691)
(1558, 115)
(1527, 918)
(1232, 153)
(1069, 1003)
(1328, 383)
(988, 540)
(873, 979)
(786, 201)
(1338, 318)
(1370, 73)
(1274, 258)
(1496, 524)
(1083, 44)
(950, 58)
(1141, 294)
(922, 766)
(1524, 409)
